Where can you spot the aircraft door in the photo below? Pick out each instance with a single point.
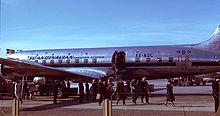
(118, 60)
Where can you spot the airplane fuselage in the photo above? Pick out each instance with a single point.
(151, 61)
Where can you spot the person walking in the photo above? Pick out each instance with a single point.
(68, 84)
(133, 86)
(25, 90)
(81, 92)
(94, 89)
(100, 91)
(17, 91)
(215, 93)
(55, 91)
(170, 95)
(120, 90)
(87, 90)
(110, 90)
(144, 88)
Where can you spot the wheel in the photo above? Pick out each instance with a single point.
(60, 93)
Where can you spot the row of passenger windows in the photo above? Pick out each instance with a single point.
(68, 61)
(159, 59)
(85, 61)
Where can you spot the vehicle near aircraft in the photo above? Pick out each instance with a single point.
(153, 62)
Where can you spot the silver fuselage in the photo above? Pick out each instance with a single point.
(151, 61)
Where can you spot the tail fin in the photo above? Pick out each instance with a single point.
(213, 43)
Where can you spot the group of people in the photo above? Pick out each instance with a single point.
(101, 90)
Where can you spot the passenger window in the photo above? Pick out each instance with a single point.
(94, 61)
(85, 61)
(148, 59)
(170, 59)
(51, 61)
(43, 61)
(76, 61)
(68, 61)
(137, 60)
(59, 61)
(159, 59)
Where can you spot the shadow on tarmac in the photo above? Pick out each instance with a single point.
(54, 106)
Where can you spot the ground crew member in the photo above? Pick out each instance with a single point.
(215, 89)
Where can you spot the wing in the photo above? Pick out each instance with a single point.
(27, 68)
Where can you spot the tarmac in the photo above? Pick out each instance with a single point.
(189, 101)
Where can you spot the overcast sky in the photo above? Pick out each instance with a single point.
(51, 24)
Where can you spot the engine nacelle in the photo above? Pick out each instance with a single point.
(39, 80)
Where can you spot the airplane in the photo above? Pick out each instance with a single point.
(153, 62)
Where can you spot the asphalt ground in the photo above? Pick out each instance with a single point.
(185, 105)
(189, 101)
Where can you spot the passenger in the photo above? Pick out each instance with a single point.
(55, 91)
(109, 90)
(87, 90)
(100, 91)
(144, 88)
(138, 89)
(17, 91)
(94, 89)
(105, 91)
(128, 88)
(81, 92)
(26, 91)
(120, 90)
(133, 86)
(215, 93)
(170, 95)
(68, 83)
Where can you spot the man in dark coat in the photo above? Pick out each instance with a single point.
(133, 86)
(81, 92)
(215, 89)
(100, 91)
(55, 91)
(110, 90)
(120, 90)
(68, 83)
(87, 90)
(94, 89)
(144, 90)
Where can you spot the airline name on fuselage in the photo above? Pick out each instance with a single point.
(38, 57)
